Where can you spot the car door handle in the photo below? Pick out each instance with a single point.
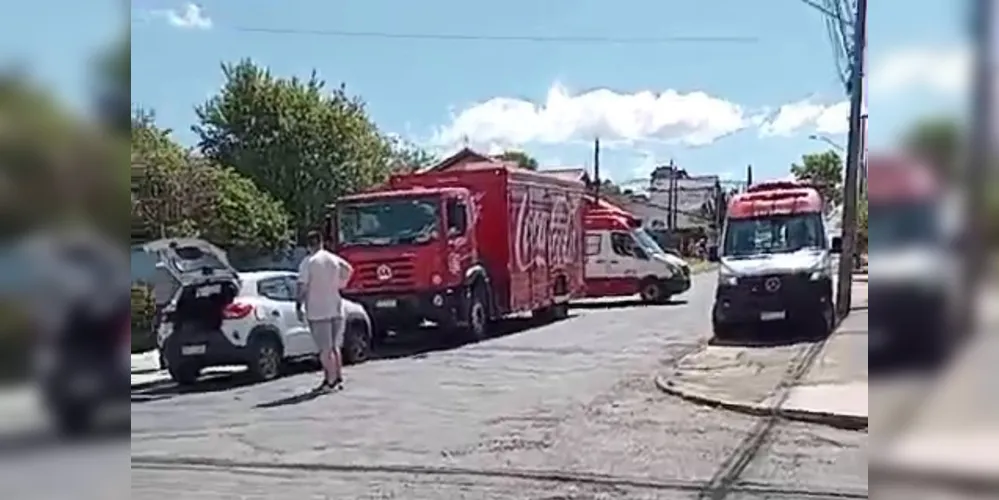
(601, 261)
(276, 314)
(614, 262)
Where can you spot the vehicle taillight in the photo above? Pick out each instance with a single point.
(237, 311)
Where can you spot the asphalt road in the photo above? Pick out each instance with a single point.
(560, 411)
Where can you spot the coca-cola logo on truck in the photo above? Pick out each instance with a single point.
(540, 227)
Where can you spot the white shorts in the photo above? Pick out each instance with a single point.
(328, 333)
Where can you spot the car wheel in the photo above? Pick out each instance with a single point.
(267, 358)
(356, 343)
(184, 373)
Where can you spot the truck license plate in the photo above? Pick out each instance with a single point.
(772, 316)
(387, 303)
(192, 350)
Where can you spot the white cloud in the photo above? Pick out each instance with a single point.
(694, 118)
(940, 70)
(808, 115)
(192, 16)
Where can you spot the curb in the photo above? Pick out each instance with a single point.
(835, 420)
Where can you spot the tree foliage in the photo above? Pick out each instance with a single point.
(296, 139)
(825, 170)
(179, 194)
(937, 140)
(522, 159)
(408, 158)
(56, 167)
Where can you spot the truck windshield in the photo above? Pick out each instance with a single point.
(773, 234)
(389, 222)
(898, 225)
(647, 242)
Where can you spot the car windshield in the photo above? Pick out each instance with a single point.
(389, 222)
(773, 234)
(898, 225)
(647, 242)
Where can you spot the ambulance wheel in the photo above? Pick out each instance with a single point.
(652, 292)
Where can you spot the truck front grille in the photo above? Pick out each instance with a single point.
(383, 274)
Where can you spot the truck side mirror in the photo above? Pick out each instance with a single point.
(713, 254)
(837, 244)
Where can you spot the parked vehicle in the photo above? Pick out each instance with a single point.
(464, 248)
(83, 325)
(776, 260)
(622, 259)
(221, 317)
(913, 223)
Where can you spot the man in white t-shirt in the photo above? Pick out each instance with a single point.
(321, 276)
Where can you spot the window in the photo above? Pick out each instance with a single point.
(457, 218)
(593, 244)
(622, 244)
(275, 289)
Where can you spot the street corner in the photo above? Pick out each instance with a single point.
(741, 379)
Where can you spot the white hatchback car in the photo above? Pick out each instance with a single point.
(219, 317)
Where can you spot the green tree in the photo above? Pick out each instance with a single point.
(305, 144)
(408, 157)
(522, 159)
(176, 193)
(55, 166)
(939, 141)
(825, 170)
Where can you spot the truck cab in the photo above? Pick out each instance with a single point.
(622, 259)
(776, 261)
(911, 225)
(412, 250)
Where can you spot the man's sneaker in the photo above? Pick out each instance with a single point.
(323, 388)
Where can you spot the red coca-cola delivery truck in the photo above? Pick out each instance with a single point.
(463, 248)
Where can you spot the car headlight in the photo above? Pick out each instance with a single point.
(819, 273)
(727, 278)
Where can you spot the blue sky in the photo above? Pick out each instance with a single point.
(713, 107)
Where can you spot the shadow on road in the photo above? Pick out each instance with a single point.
(45, 439)
(769, 336)
(304, 397)
(211, 382)
(624, 303)
(414, 344)
(424, 341)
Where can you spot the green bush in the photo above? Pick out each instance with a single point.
(143, 316)
(15, 341)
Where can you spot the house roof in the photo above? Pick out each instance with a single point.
(569, 173)
(465, 155)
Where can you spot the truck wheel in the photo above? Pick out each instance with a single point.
(356, 344)
(266, 359)
(184, 374)
(72, 420)
(477, 322)
(651, 292)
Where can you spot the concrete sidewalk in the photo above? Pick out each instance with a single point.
(761, 381)
(952, 436)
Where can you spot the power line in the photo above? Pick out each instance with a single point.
(468, 37)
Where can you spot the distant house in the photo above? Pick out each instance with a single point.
(461, 159)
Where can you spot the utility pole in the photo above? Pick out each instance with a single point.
(849, 226)
(596, 169)
(671, 187)
(980, 157)
(749, 176)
